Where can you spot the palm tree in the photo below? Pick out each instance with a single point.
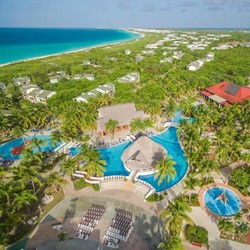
(56, 137)
(174, 216)
(172, 243)
(37, 143)
(27, 174)
(136, 125)
(70, 166)
(94, 165)
(24, 198)
(170, 108)
(207, 167)
(148, 123)
(191, 183)
(165, 169)
(110, 125)
(61, 236)
(54, 180)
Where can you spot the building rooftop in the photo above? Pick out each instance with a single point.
(143, 154)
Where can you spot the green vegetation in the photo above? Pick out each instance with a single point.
(172, 243)
(197, 234)
(154, 197)
(241, 179)
(192, 200)
(165, 169)
(215, 139)
(80, 183)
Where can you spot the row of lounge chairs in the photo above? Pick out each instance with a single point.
(119, 230)
(116, 177)
(145, 184)
(89, 221)
(6, 162)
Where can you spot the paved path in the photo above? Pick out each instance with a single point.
(147, 232)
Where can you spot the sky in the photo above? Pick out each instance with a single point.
(125, 13)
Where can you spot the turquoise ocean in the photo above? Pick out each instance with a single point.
(18, 44)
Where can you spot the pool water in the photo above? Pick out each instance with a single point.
(229, 208)
(6, 148)
(168, 139)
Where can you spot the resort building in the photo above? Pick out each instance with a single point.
(54, 78)
(20, 81)
(35, 94)
(226, 93)
(90, 77)
(195, 65)
(127, 52)
(2, 86)
(143, 155)
(167, 59)
(139, 58)
(129, 78)
(107, 88)
(123, 113)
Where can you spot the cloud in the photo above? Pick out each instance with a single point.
(232, 4)
(187, 4)
(148, 8)
(123, 4)
(166, 7)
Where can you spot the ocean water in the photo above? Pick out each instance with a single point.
(25, 43)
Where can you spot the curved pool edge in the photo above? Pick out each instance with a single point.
(216, 184)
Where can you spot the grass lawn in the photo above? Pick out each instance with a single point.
(81, 183)
(154, 197)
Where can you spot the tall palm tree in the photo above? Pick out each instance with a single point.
(70, 166)
(94, 165)
(172, 243)
(27, 174)
(24, 198)
(37, 143)
(174, 216)
(110, 125)
(136, 125)
(190, 184)
(165, 169)
(170, 108)
(56, 137)
(148, 123)
(207, 167)
(55, 179)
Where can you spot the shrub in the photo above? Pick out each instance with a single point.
(197, 234)
(154, 197)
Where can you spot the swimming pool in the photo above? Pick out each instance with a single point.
(229, 207)
(6, 148)
(168, 139)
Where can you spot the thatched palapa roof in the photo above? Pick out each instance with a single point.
(143, 154)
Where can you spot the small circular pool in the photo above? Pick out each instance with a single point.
(222, 201)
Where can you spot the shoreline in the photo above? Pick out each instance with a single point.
(141, 35)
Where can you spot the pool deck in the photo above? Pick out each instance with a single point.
(245, 201)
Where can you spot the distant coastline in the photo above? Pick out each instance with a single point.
(131, 35)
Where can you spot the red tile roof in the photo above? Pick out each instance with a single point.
(240, 96)
(205, 93)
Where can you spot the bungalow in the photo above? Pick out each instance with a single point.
(107, 88)
(43, 95)
(21, 80)
(178, 54)
(90, 77)
(148, 52)
(127, 51)
(226, 93)
(2, 86)
(77, 77)
(139, 58)
(35, 94)
(123, 113)
(54, 78)
(195, 65)
(130, 78)
(167, 59)
(86, 62)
